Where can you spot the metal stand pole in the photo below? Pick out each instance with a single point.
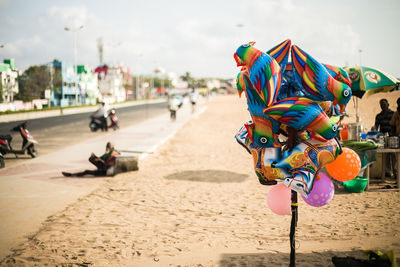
(293, 225)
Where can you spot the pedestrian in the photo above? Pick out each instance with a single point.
(173, 105)
(382, 124)
(105, 163)
(193, 99)
(101, 113)
(395, 121)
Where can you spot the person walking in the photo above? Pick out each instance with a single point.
(193, 99)
(173, 105)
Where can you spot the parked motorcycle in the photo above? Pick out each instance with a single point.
(114, 120)
(2, 164)
(28, 142)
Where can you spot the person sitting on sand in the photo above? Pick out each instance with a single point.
(103, 163)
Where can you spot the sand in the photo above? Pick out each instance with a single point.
(197, 202)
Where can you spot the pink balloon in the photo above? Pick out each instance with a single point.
(322, 191)
(278, 199)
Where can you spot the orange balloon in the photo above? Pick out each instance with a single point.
(346, 166)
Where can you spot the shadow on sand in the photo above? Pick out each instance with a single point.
(323, 259)
(210, 176)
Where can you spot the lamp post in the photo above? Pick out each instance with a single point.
(75, 31)
(357, 116)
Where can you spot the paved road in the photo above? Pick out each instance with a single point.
(58, 132)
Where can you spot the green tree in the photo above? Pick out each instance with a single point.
(33, 82)
(161, 83)
(1, 90)
(189, 79)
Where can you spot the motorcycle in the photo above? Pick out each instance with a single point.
(28, 142)
(96, 122)
(114, 120)
(2, 164)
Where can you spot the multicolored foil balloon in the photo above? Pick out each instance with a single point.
(302, 96)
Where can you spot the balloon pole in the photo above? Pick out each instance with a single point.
(293, 224)
(357, 116)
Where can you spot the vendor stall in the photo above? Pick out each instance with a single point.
(384, 152)
(366, 151)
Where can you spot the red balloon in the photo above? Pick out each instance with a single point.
(346, 166)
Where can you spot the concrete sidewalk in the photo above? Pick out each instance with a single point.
(35, 189)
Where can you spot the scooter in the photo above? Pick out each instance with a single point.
(114, 120)
(2, 164)
(95, 123)
(28, 142)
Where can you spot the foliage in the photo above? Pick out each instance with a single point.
(156, 81)
(1, 91)
(33, 82)
(189, 79)
(57, 80)
(193, 82)
(162, 83)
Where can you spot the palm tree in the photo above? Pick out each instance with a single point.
(188, 78)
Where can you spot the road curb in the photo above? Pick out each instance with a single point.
(69, 111)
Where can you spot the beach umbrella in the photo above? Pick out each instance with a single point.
(370, 81)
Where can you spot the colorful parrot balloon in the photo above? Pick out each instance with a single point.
(309, 99)
(317, 83)
(280, 53)
(302, 113)
(263, 71)
(263, 157)
(338, 74)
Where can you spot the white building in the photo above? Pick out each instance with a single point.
(110, 82)
(213, 84)
(9, 81)
(88, 85)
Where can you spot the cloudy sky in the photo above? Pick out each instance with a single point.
(199, 36)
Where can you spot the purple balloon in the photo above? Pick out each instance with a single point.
(322, 191)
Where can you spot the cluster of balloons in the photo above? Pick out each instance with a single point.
(295, 109)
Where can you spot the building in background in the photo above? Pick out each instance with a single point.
(88, 85)
(127, 83)
(8, 81)
(110, 82)
(67, 92)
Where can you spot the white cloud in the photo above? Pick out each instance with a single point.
(317, 31)
(4, 3)
(194, 37)
(70, 16)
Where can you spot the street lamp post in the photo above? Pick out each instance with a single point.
(357, 116)
(75, 31)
